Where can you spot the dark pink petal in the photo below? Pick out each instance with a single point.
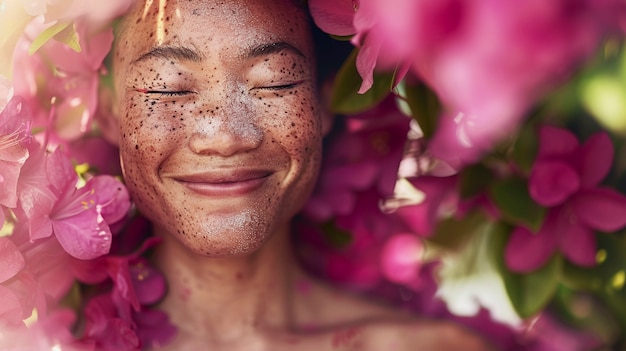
(149, 283)
(154, 328)
(596, 158)
(600, 209)
(84, 236)
(91, 271)
(334, 16)
(526, 252)
(577, 243)
(119, 271)
(552, 182)
(555, 141)
(112, 195)
(11, 259)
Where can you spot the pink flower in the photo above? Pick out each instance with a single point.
(14, 134)
(79, 217)
(366, 156)
(505, 55)
(70, 91)
(439, 192)
(566, 178)
(488, 60)
(401, 259)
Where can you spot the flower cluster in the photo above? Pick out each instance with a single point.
(58, 217)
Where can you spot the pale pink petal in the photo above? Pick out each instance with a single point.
(40, 226)
(366, 62)
(552, 182)
(84, 236)
(555, 141)
(112, 195)
(10, 308)
(526, 252)
(333, 16)
(60, 172)
(11, 260)
(600, 209)
(596, 158)
(577, 243)
(9, 174)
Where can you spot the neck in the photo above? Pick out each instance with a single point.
(226, 298)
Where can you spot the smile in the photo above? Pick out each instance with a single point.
(232, 183)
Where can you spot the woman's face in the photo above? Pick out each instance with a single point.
(220, 131)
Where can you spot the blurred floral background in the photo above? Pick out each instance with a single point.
(476, 172)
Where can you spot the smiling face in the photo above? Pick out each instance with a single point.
(220, 134)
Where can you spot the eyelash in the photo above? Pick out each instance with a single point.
(283, 86)
(162, 93)
(166, 93)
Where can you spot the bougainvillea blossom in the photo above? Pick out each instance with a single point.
(566, 179)
(14, 135)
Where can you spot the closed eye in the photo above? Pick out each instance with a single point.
(166, 93)
(282, 86)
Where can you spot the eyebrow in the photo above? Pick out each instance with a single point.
(179, 53)
(272, 48)
(182, 53)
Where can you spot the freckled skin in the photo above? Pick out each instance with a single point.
(233, 282)
(231, 115)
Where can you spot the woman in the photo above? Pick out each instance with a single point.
(220, 133)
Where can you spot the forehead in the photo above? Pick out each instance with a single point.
(212, 25)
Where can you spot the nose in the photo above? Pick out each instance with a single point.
(225, 136)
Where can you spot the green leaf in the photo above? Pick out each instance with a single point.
(454, 234)
(62, 31)
(474, 180)
(425, 107)
(525, 147)
(531, 292)
(336, 237)
(347, 100)
(512, 198)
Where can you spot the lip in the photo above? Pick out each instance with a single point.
(224, 183)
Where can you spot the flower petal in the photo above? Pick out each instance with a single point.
(555, 141)
(526, 252)
(552, 182)
(600, 209)
(577, 243)
(596, 158)
(333, 16)
(84, 236)
(366, 61)
(11, 260)
(112, 196)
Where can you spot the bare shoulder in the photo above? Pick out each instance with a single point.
(360, 323)
(417, 335)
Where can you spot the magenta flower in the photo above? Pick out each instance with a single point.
(566, 179)
(366, 156)
(14, 134)
(401, 259)
(79, 217)
(439, 192)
